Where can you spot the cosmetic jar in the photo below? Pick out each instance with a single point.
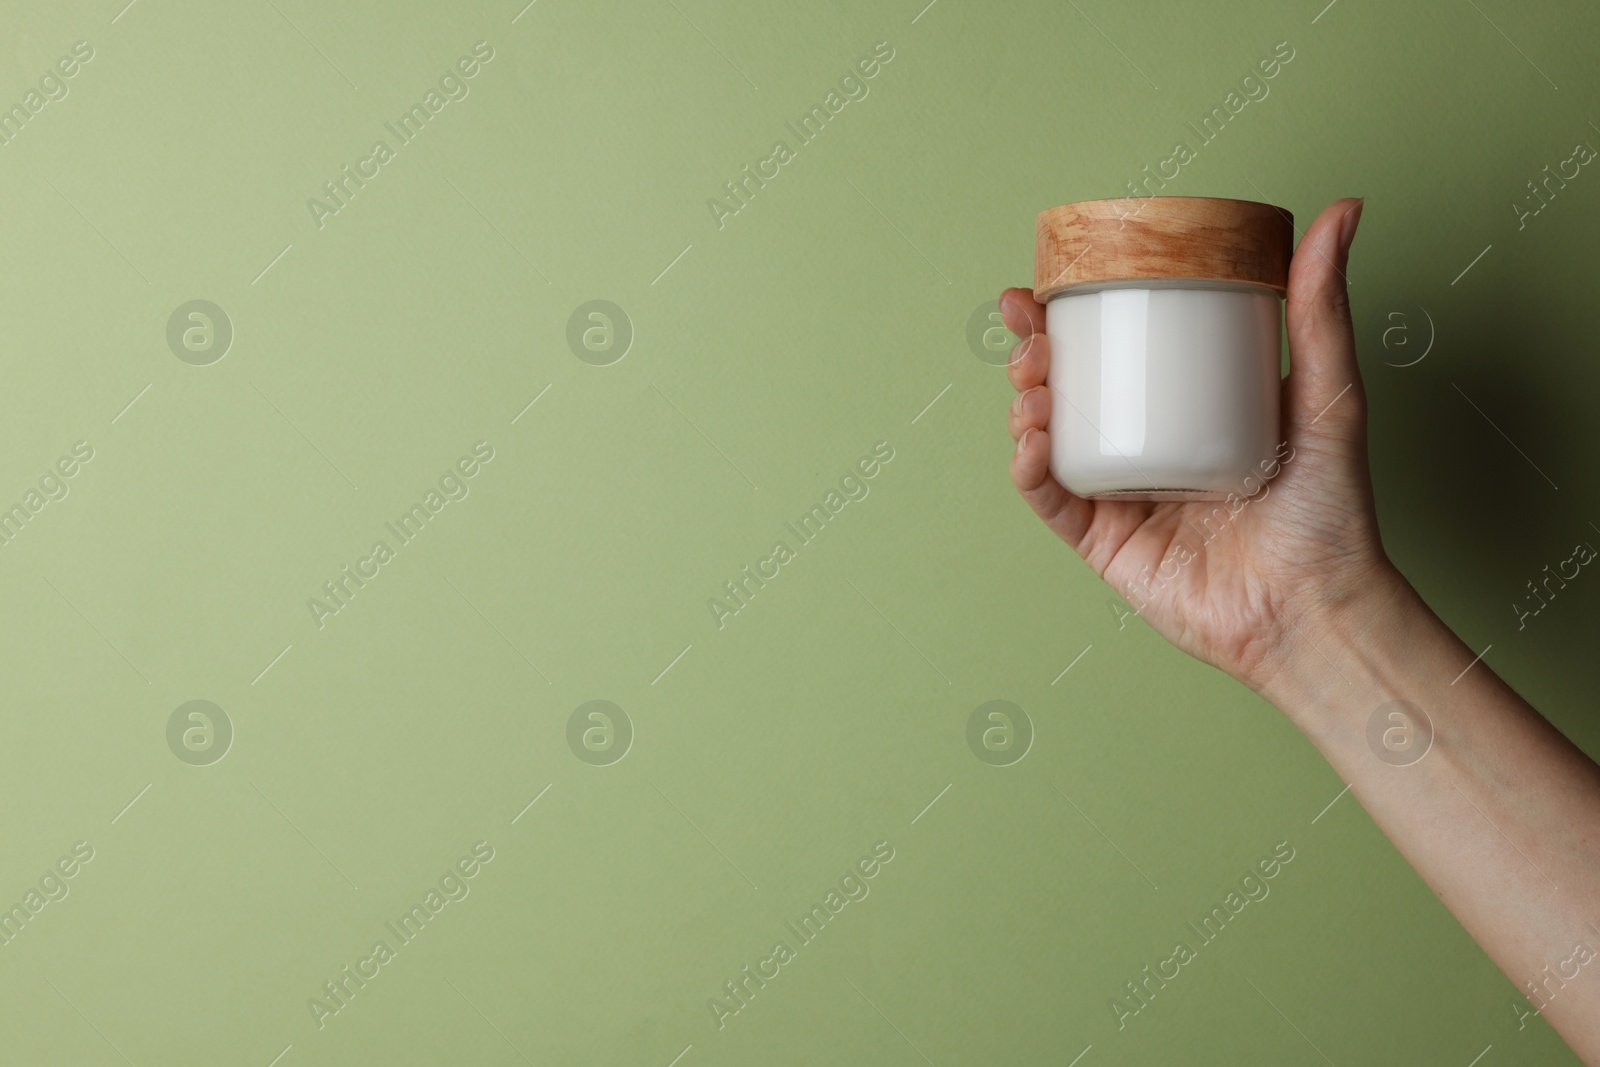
(1165, 322)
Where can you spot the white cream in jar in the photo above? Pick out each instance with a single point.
(1165, 318)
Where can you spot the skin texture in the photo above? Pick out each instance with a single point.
(1296, 598)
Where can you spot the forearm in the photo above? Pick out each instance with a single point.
(1500, 815)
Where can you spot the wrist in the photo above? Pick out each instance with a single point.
(1347, 648)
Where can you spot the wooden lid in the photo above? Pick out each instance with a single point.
(1131, 238)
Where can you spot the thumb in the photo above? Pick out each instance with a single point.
(1323, 395)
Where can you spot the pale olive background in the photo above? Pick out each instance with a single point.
(768, 356)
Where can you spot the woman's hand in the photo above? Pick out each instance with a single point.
(1300, 552)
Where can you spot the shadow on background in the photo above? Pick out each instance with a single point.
(1479, 486)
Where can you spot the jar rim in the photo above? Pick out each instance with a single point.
(1185, 284)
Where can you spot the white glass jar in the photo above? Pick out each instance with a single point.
(1165, 337)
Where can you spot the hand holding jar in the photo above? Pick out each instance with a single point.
(1154, 434)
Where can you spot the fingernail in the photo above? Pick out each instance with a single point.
(1022, 442)
(1347, 227)
(1016, 404)
(1020, 349)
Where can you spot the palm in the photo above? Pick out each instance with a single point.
(1206, 606)
(1211, 576)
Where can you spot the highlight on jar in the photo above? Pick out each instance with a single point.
(1165, 319)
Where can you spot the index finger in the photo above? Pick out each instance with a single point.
(1023, 314)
